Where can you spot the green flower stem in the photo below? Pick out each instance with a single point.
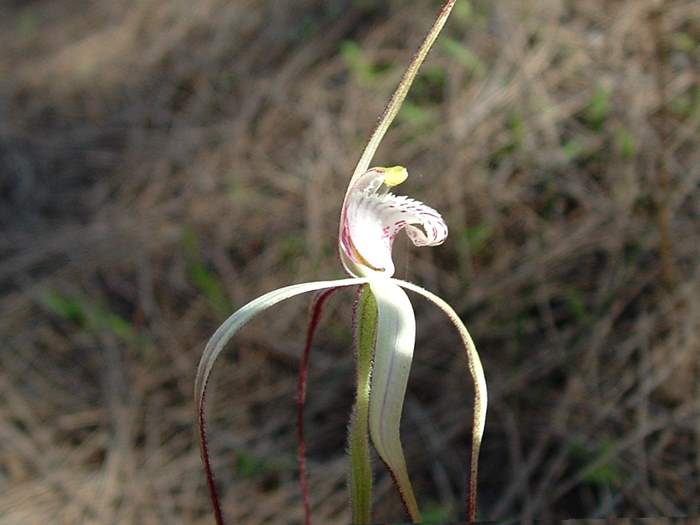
(358, 437)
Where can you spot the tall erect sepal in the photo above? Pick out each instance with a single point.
(396, 101)
(387, 117)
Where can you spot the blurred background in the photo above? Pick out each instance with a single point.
(162, 162)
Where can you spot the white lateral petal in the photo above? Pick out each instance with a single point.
(396, 335)
(477, 373)
(236, 321)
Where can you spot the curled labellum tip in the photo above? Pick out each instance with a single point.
(372, 217)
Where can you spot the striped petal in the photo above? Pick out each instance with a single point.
(372, 217)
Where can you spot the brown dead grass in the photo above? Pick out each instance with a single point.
(162, 163)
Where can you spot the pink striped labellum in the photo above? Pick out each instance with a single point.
(372, 217)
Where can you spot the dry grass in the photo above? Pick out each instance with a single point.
(161, 164)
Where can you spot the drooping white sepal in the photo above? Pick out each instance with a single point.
(239, 318)
(396, 336)
(480, 394)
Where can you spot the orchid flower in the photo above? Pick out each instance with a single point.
(384, 322)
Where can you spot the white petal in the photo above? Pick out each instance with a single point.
(480, 393)
(236, 321)
(396, 335)
(371, 219)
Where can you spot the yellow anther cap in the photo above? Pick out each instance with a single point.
(395, 175)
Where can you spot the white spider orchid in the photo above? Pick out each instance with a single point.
(385, 325)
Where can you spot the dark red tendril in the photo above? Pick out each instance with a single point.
(316, 311)
(204, 450)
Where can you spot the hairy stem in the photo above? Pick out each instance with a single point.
(365, 325)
